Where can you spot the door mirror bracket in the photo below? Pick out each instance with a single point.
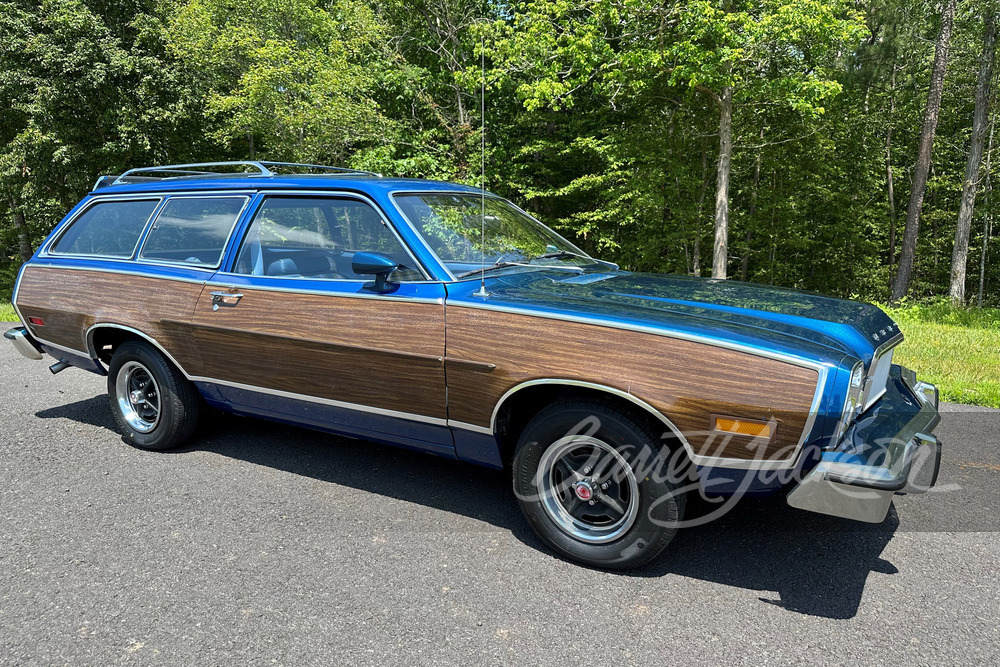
(373, 263)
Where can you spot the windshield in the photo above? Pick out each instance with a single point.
(452, 226)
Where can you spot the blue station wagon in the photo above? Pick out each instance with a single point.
(442, 318)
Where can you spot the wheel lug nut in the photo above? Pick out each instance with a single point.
(586, 471)
(604, 487)
(591, 502)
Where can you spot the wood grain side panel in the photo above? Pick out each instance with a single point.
(686, 381)
(71, 301)
(375, 352)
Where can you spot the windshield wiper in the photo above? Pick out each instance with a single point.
(568, 254)
(504, 265)
(498, 265)
(561, 254)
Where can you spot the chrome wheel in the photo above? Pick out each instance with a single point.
(588, 489)
(138, 396)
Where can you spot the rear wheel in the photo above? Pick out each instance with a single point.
(154, 405)
(585, 478)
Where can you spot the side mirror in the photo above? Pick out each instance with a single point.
(372, 263)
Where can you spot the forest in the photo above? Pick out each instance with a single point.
(844, 147)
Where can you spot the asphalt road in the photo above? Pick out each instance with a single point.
(263, 544)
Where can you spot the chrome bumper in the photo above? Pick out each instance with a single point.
(24, 343)
(908, 463)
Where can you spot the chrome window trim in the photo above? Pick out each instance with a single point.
(357, 407)
(822, 370)
(130, 196)
(48, 251)
(489, 195)
(214, 280)
(342, 194)
(324, 280)
(132, 272)
(217, 281)
(139, 259)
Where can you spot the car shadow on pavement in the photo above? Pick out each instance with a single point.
(817, 565)
(92, 411)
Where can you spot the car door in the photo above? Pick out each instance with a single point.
(288, 330)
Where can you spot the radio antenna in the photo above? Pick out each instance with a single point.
(482, 171)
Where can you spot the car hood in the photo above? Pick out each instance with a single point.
(757, 314)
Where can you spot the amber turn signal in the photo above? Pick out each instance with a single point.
(756, 429)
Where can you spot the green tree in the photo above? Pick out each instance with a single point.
(89, 89)
(291, 79)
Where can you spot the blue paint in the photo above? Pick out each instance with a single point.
(431, 438)
(813, 326)
(869, 436)
(831, 333)
(479, 448)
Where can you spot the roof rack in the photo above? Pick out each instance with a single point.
(253, 168)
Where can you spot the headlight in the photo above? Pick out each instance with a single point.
(853, 400)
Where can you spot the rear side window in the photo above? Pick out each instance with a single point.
(107, 229)
(192, 230)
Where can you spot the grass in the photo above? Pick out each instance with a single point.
(7, 313)
(958, 349)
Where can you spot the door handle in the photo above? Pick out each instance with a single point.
(228, 299)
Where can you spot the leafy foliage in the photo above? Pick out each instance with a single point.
(601, 116)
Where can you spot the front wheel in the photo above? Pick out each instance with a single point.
(154, 406)
(591, 481)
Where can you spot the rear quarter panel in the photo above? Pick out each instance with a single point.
(72, 298)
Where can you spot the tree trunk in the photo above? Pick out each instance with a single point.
(987, 219)
(24, 245)
(888, 169)
(745, 262)
(720, 253)
(909, 247)
(960, 254)
(696, 268)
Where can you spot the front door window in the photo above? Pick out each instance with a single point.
(316, 238)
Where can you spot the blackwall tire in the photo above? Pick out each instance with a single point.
(582, 480)
(154, 405)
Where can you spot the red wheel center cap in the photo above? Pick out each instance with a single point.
(583, 490)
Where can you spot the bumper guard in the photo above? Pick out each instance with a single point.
(24, 343)
(864, 492)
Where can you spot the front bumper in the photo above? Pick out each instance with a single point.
(858, 478)
(24, 343)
